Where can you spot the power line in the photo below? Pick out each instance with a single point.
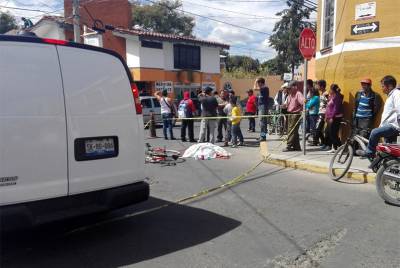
(230, 11)
(304, 5)
(205, 17)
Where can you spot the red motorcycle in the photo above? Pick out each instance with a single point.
(387, 168)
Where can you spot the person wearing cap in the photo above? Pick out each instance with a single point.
(209, 109)
(389, 127)
(263, 101)
(367, 104)
(294, 105)
(251, 109)
(281, 96)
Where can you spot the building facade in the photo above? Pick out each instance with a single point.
(356, 39)
(157, 61)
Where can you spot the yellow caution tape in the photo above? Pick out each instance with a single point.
(220, 117)
(236, 180)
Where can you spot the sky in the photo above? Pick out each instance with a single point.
(259, 16)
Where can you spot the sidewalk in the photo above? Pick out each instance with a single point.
(315, 160)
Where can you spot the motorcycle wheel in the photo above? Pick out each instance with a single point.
(388, 182)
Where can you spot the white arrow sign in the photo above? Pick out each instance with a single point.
(371, 27)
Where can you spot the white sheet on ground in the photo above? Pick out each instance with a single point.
(205, 151)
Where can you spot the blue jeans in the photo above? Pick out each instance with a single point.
(312, 119)
(262, 110)
(236, 134)
(388, 132)
(167, 124)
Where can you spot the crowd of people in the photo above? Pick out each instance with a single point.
(325, 112)
(221, 113)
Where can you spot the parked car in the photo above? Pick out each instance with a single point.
(71, 124)
(150, 105)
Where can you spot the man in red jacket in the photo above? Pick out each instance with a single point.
(251, 109)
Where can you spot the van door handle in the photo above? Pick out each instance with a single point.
(151, 111)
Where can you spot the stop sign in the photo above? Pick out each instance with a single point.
(307, 43)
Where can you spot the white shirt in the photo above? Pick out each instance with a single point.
(165, 107)
(391, 110)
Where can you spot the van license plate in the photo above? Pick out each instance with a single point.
(100, 147)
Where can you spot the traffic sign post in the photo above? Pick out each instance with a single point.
(307, 47)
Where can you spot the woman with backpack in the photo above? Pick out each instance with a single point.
(186, 109)
(167, 112)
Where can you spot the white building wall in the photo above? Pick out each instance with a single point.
(132, 53)
(138, 56)
(49, 30)
(168, 56)
(210, 62)
(151, 57)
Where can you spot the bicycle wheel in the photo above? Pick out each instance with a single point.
(341, 162)
(388, 182)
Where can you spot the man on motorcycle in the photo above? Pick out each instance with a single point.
(389, 127)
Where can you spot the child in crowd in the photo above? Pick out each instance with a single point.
(235, 121)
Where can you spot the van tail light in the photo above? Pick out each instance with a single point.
(135, 92)
(54, 41)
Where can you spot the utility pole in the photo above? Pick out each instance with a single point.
(76, 21)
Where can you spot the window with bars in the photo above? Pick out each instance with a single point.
(329, 16)
(186, 57)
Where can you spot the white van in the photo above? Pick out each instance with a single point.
(71, 131)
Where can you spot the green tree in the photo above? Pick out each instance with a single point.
(7, 22)
(287, 31)
(275, 66)
(163, 17)
(246, 63)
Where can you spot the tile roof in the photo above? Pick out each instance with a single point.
(58, 19)
(146, 34)
(169, 37)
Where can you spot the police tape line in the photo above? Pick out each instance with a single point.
(232, 182)
(221, 117)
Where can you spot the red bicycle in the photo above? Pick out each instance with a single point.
(160, 155)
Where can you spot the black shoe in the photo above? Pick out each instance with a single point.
(219, 140)
(288, 150)
(183, 140)
(192, 140)
(172, 138)
(165, 138)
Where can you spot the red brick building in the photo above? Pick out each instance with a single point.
(112, 12)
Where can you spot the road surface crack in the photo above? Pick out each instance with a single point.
(311, 257)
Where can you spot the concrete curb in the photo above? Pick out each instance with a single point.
(312, 165)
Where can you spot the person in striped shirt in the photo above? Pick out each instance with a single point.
(367, 105)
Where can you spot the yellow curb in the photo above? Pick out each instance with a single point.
(365, 177)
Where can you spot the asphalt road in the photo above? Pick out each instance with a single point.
(276, 218)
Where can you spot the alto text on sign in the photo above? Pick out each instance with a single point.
(307, 43)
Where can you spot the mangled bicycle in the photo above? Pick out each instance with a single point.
(160, 155)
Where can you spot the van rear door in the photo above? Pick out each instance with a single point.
(106, 145)
(33, 142)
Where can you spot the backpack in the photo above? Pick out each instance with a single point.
(184, 110)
